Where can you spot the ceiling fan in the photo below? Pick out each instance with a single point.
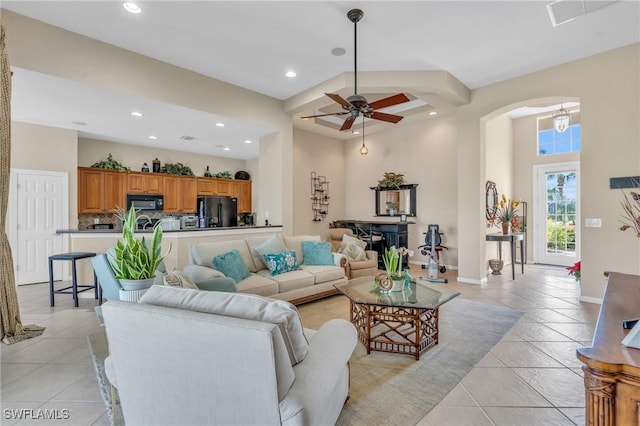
(356, 105)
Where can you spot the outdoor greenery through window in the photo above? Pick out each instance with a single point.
(551, 142)
(561, 213)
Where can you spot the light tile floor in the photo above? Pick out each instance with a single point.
(531, 377)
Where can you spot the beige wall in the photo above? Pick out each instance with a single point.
(425, 152)
(44, 48)
(607, 86)
(91, 151)
(325, 156)
(36, 147)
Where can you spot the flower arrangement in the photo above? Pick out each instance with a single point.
(506, 211)
(631, 215)
(392, 259)
(575, 270)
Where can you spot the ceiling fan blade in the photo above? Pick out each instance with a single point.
(391, 118)
(348, 123)
(391, 100)
(324, 115)
(339, 99)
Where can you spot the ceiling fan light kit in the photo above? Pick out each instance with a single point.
(357, 105)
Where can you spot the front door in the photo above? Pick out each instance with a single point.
(39, 208)
(556, 210)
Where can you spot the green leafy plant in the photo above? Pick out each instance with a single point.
(392, 259)
(177, 169)
(134, 259)
(506, 211)
(110, 164)
(223, 175)
(391, 180)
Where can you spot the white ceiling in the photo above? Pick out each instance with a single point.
(253, 44)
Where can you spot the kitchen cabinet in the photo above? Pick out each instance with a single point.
(144, 183)
(180, 194)
(100, 191)
(223, 187)
(206, 186)
(241, 189)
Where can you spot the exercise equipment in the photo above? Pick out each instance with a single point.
(432, 248)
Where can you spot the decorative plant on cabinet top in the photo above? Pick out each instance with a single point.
(319, 196)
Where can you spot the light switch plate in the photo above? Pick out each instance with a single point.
(593, 223)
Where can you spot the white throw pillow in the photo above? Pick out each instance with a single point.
(239, 305)
(349, 239)
(352, 251)
(178, 279)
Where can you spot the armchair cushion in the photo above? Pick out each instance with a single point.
(231, 265)
(279, 263)
(353, 251)
(239, 305)
(316, 253)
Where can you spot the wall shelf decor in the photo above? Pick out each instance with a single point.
(319, 197)
(396, 201)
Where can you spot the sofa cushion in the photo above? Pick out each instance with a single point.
(324, 273)
(238, 305)
(231, 265)
(291, 280)
(316, 253)
(295, 243)
(203, 253)
(178, 279)
(258, 248)
(352, 251)
(259, 284)
(279, 263)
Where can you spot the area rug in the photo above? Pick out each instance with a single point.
(392, 389)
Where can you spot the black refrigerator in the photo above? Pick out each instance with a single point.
(216, 212)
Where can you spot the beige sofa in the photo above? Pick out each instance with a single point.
(309, 283)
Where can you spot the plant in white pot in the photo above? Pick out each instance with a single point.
(392, 259)
(135, 261)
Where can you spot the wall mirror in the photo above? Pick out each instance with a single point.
(492, 199)
(396, 201)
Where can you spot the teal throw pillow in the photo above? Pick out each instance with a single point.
(279, 263)
(231, 265)
(317, 253)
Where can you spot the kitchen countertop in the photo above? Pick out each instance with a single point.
(276, 228)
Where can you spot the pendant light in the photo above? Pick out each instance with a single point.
(363, 149)
(561, 120)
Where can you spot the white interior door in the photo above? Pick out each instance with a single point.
(39, 202)
(557, 213)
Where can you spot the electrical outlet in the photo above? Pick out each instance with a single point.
(96, 220)
(593, 223)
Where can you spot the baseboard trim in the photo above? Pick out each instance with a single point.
(483, 281)
(588, 299)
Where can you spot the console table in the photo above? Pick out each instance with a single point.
(393, 234)
(512, 238)
(612, 371)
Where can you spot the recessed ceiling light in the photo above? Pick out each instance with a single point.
(153, 137)
(248, 141)
(130, 6)
(291, 74)
(355, 132)
(219, 124)
(338, 51)
(433, 112)
(136, 114)
(226, 148)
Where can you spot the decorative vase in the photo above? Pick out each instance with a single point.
(398, 285)
(506, 228)
(131, 285)
(496, 266)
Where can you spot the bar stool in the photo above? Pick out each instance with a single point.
(73, 288)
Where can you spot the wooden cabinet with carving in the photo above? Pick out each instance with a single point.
(179, 194)
(144, 183)
(241, 189)
(100, 191)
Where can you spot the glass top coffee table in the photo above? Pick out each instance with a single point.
(404, 322)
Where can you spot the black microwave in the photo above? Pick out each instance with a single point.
(145, 202)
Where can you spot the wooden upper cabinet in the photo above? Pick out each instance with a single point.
(206, 186)
(241, 189)
(223, 187)
(144, 183)
(180, 194)
(100, 191)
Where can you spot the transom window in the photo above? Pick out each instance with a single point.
(550, 142)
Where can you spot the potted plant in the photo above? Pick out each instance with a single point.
(392, 259)
(506, 212)
(135, 261)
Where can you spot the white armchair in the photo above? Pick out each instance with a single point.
(186, 357)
